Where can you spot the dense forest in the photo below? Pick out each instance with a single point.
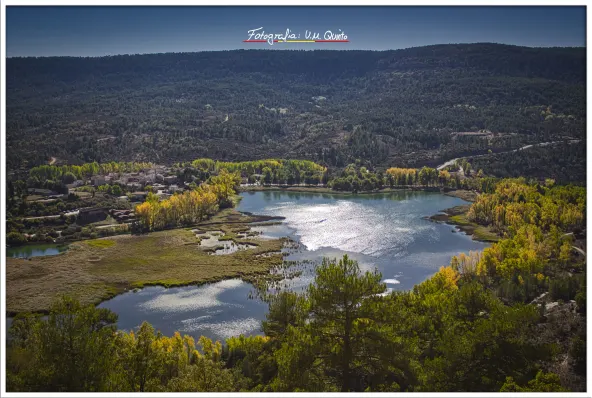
(564, 162)
(404, 108)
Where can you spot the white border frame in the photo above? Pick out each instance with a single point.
(5, 3)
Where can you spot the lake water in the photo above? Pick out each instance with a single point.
(44, 249)
(218, 310)
(382, 231)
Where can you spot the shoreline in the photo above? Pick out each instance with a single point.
(468, 196)
(456, 216)
(232, 218)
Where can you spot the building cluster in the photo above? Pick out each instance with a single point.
(135, 187)
(122, 216)
(160, 179)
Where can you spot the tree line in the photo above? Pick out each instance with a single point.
(267, 171)
(68, 173)
(189, 207)
(355, 178)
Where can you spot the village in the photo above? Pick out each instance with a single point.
(58, 203)
(106, 201)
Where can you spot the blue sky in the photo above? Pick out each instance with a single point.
(98, 31)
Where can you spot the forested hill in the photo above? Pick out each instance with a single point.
(401, 108)
(550, 63)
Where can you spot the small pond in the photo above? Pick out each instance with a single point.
(230, 247)
(35, 250)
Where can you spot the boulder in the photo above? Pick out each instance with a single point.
(540, 298)
(549, 307)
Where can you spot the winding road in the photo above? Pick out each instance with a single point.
(452, 161)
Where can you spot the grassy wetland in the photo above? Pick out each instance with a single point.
(95, 270)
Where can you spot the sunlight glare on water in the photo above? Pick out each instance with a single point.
(352, 226)
(223, 329)
(187, 300)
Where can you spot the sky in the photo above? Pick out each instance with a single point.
(100, 31)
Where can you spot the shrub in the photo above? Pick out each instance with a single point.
(565, 288)
(577, 351)
(15, 239)
(581, 301)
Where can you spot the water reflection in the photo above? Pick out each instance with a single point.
(218, 310)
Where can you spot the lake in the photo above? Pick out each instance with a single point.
(383, 231)
(35, 250)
